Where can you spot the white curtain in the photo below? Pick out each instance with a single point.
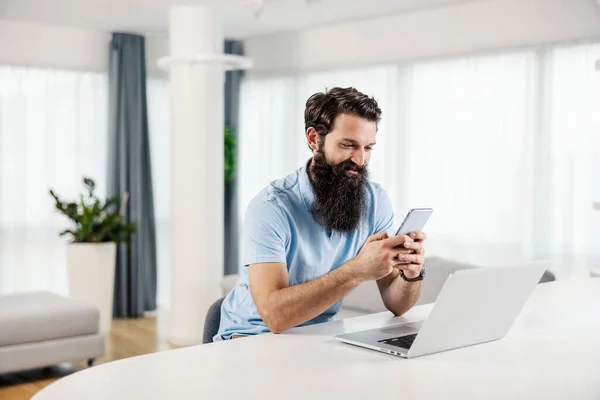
(52, 133)
(160, 145)
(470, 130)
(504, 147)
(266, 126)
(570, 227)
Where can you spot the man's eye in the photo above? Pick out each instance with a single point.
(347, 146)
(369, 148)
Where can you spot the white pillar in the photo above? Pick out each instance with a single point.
(196, 108)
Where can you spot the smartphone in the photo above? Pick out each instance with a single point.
(414, 221)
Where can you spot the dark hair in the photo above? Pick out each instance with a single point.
(322, 108)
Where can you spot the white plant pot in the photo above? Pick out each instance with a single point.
(91, 269)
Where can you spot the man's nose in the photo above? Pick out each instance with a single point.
(359, 157)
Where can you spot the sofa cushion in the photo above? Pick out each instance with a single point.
(38, 316)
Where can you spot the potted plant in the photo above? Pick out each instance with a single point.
(96, 229)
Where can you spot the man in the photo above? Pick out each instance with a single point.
(313, 236)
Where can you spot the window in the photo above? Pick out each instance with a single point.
(504, 147)
(53, 128)
(568, 224)
(470, 131)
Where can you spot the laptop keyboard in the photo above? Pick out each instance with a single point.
(401, 341)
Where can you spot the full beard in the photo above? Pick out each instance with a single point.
(340, 196)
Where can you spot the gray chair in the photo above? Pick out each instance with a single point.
(212, 321)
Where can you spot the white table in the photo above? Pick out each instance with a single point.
(552, 352)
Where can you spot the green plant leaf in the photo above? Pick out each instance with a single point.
(67, 231)
(110, 203)
(230, 154)
(94, 221)
(91, 186)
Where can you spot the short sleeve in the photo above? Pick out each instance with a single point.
(384, 213)
(265, 233)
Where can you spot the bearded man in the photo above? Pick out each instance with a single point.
(313, 236)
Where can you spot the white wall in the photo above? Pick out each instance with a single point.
(437, 32)
(446, 31)
(51, 46)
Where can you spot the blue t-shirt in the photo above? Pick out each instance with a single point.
(279, 228)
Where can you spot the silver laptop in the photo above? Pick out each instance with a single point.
(474, 306)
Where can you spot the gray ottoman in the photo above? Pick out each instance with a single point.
(41, 329)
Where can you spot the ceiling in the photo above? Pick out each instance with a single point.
(149, 17)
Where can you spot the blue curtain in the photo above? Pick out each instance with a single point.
(233, 81)
(129, 171)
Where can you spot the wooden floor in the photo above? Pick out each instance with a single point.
(127, 338)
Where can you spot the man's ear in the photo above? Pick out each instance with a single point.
(312, 138)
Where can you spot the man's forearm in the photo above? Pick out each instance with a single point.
(294, 305)
(397, 294)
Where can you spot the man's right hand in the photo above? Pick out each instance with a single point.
(378, 256)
